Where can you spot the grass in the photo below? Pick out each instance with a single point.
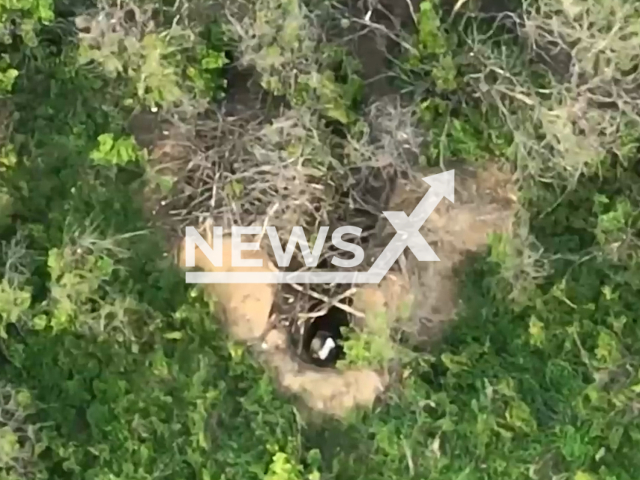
(113, 368)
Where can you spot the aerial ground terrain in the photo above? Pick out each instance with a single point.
(516, 356)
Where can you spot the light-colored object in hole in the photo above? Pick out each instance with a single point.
(326, 348)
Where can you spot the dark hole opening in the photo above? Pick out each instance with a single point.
(130, 16)
(323, 338)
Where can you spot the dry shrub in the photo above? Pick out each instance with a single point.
(291, 170)
(587, 103)
(279, 38)
(126, 42)
(249, 170)
(19, 442)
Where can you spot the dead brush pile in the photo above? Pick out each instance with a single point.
(310, 161)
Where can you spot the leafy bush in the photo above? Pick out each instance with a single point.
(20, 441)
(20, 19)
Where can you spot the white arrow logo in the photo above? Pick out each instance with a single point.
(408, 228)
(407, 235)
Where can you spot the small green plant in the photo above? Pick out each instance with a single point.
(14, 304)
(207, 74)
(23, 18)
(614, 224)
(205, 70)
(20, 19)
(458, 126)
(433, 56)
(371, 346)
(283, 42)
(170, 69)
(80, 298)
(20, 441)
(113, 151)
(6, 209)
(282, 468)
(8, 75)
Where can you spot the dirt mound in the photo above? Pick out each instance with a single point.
(245, 311)
(485, 203)
(331, 392)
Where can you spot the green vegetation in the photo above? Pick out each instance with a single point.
(112, 368)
